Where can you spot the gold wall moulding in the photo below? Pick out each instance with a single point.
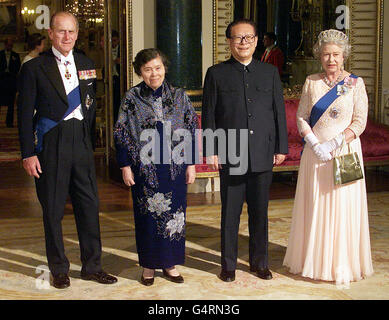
(194, 92)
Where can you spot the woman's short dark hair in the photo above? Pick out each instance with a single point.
(35, 40)
(240, 21)
(147, 55)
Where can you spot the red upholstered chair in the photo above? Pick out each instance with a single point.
(374, 140)
(375, 144)
(202, 170)
(295, 142)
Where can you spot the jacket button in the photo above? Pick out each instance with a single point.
(251, 131)
(249, 100)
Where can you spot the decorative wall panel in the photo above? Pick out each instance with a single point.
(366, 52)
(223, 15)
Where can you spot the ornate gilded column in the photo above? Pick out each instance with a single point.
(179, 37)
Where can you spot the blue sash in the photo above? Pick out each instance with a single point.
(43, 124)
(324, 102)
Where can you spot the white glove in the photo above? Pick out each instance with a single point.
(333, 144)
(322, 151)
(311, 140)
(325, 149)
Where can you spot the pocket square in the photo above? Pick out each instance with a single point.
(87, 74)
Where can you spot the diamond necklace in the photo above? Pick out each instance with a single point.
(332, 83)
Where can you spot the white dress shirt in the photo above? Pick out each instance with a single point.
(70, 83)
(7, 58)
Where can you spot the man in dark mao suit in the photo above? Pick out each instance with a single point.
(244, 94)
(57, 146)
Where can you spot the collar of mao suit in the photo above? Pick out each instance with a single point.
(241, 67)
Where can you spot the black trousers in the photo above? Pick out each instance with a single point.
(254, 189)
(68, 168)
(8, 93)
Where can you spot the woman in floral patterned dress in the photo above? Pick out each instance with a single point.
(158, 179)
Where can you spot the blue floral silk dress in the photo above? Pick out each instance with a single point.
(159, 193)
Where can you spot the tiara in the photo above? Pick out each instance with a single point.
(332, 35)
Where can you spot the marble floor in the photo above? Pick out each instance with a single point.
(23, 261)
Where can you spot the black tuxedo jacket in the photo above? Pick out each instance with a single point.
(41, 88)
(237, 99)
(14, 63)
(8, 80)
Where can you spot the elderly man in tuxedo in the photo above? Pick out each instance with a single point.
(57, 146)
(244, 95)
(9, 69)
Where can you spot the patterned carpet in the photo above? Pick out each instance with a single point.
(22, 251)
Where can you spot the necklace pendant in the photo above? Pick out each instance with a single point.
(67, 75)
(331, 84)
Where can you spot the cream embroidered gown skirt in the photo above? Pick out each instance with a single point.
(329, 236)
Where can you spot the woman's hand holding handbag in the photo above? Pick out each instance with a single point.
(347, 167)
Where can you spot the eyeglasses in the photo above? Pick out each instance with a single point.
(249, 38)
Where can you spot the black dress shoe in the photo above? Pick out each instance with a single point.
(264, 273)
(227, 276)
(61, 281)
(147, 281)
(100, 277)
(253, 269)
(176, 279)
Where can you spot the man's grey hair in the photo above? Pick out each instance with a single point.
(62, 13)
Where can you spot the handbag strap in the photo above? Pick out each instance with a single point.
(338, 155)
(339, 150)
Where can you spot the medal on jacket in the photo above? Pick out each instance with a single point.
(88, 101)
(67, 73)
(334, 112)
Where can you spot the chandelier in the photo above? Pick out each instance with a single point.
(88, 12)
(28, 16)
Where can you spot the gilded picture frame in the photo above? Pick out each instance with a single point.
(11, 22)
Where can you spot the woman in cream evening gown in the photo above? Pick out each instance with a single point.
(329, 238)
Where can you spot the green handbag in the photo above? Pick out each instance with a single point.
(347, 167)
